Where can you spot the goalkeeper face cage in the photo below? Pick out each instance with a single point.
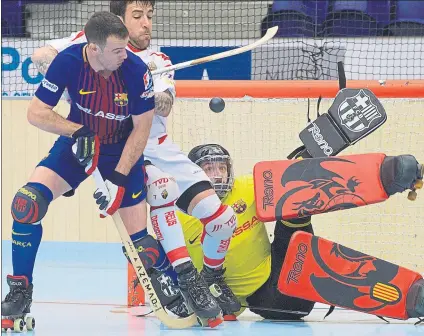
(216, 161)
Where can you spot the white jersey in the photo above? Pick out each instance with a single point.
(153, 59)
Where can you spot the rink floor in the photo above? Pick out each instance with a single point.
(76, 292)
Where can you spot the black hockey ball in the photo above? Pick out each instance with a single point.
(217, 104)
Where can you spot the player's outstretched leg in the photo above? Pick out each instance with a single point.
(17, 304)
(228, 302)
(197, 295)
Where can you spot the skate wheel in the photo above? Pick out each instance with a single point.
(412, 195)
(201, 322)
(6, 324)
(419, 184)
(18, 325)
(212, 323)
(30, 323)
(230, 317)
(215, 290)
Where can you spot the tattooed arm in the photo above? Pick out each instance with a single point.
(42, 57)
(163, 103)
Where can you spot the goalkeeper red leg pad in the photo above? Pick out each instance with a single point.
(320, 270)
(298, 188)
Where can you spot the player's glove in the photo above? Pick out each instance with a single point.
(110, 200)
(86, 148)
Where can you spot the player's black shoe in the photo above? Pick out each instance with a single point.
(223, 294)
(17, 304)
(197, 295)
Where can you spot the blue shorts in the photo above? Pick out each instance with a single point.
(62, 161)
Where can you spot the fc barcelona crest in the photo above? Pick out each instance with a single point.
(239, 207)
(356, 113)
(121, 99)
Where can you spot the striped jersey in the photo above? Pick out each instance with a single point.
(154, 60)
(103, 105)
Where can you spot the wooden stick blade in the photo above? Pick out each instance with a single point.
(270, 33)
(158, 309)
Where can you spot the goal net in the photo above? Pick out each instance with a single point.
(262, 129)
(370, 38)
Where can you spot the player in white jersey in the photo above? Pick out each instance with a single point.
(173, 179)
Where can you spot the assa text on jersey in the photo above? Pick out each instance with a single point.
(248, 225)
(102, 114)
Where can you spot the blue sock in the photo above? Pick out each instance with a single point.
(26, 239)
(163, 264)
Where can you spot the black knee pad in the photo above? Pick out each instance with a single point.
(187, 196)
(29, 205)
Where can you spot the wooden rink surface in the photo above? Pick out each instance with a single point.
(252, 130)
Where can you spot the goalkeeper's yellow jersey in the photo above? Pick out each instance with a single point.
(248, 261)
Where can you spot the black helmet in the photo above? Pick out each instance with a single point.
(213, 153)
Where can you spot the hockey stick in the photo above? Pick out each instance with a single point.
(294, 312)
(169, 321)
(268, 35)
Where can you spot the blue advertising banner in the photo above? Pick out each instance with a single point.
(237, 67)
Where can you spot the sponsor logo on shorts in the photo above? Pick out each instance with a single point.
(49, 85)
(137, 195)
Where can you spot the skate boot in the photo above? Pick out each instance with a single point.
(415, 300)
(400, 173)
(197, 295)
(224, 295)
(17, 304)
(168, 293)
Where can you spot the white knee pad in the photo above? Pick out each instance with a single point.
(223, 225)
(162, 189)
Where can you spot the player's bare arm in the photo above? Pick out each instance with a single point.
(163, 103)
(136, 142)
(45, 118)
(43, 57)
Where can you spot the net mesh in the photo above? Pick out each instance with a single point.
(375, 39)
(256, 130)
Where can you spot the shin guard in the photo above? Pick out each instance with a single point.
(320, 270)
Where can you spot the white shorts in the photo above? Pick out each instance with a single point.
(170, 159)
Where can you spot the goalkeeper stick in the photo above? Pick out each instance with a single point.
(269, 35)
(169, 321)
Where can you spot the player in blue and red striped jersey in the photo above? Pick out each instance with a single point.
(108, 126)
